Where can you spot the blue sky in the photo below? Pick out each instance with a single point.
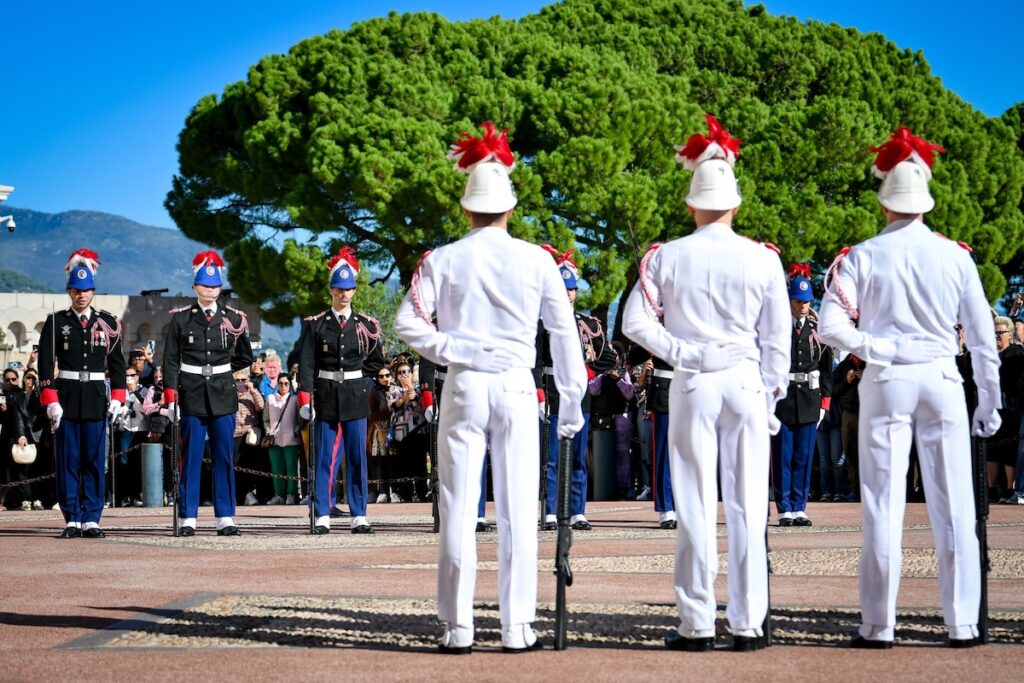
(95, 94)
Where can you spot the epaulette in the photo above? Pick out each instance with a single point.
(367, 318)
(963, 245)
(770, 246)
(180, 309)
(315, 317)
(235, 310)
(100, 311)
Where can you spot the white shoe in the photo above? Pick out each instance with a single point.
(251, 499)
(56, 506)
(457, 636)
(645, 494)
(395, 498)
(518, 637)
(669, 516)
(359, 521)
(382, 498)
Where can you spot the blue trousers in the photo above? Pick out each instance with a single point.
(195, 430)
(334, 439)
(663, 501)
(579, 467)
(792, 456)
(481, 508)
(81, 448)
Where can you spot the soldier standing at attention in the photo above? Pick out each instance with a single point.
(339, 355)
(713, 305)
(488, 290)
(599, 357)
(908, 287)
(77, 348)
(206, 342)
(803, 407)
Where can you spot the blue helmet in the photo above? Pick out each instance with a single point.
(208, 266)
(800, 289)
(81, 269)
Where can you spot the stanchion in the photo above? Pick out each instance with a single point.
(153, 475)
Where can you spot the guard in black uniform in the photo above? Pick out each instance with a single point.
(340, 354)
(599, 358)
(802, 409)
(657, 401)
(77, 348)
(206, 342)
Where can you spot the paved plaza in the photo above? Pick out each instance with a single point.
(278, 604)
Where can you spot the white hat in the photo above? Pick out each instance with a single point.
(488, 189)
(713, 186)
(904, 164)
(905, 189)
(487, 159)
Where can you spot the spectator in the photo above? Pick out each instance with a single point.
(247, 434)
(641, 374)
(615, 389)
(256, 369)
(831, 462)
(33, 359)
(271, 369)
(16, 430)
(408, 434)
(1002, 449)
(281, 426)
(846, 379)
(379, 423)
(44, 491)
(130, 427)
(142, 360)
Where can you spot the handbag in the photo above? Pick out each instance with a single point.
(23, 455)
(252, 437)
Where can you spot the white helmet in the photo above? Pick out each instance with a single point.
(488, 189)
(713, 187)
(905, 189)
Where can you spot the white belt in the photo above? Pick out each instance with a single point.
(339, 376)
(204, 370)
(440, 375)
(665, 374)
(81, 376)
(804, 376)
(549, 371)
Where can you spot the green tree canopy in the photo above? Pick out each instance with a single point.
(346, 136)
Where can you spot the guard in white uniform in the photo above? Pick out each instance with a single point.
(726, 334)
(488, 291)
(908, 287)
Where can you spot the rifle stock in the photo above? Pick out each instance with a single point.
(311, 468)
(175, 472)
(435, 483)
(563, 572)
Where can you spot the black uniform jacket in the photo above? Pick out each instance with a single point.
(65, 345)
(597, 354)
(224, 340)
(432, 378)
(801, 404)
(657, 390)
(354, 347)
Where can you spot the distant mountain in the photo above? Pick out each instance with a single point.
(11, 281)
(134, 257)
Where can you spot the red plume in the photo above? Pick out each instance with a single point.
(560, 258)
(798, 270)
(717, 145)
(901, 146)
(469, 151)
(86, 257)
(346, 254)
(207, 257)
(551, 250)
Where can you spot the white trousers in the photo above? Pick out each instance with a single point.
(720, 419)
(500, 411)
(924, 402)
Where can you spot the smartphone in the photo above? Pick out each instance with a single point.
(35, 347)
(151, 345)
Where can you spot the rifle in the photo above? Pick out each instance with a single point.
(435, 482)
(563, 571)
(979, 453)
(766, 625)
(311, 468)
(175, 468)
(544, 446)
(110, 459)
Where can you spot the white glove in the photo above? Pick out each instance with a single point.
(490, 359)
(172, 412)
(821, 415)
(54, 412)
(717, 356)
(541, 409)
(305, 412)
(986, 421)
(570, 421)
(114, 408)
(771, 399)
(916, 348)
(428, 414)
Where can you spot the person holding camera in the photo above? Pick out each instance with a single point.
(18, 439)
(248, 437)
(281, 438)
(206, 343)
(612, 391)
(130, 426)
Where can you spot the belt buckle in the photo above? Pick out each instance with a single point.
(207, 371)
(83, 376)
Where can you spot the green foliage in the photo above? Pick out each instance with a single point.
(346, 135)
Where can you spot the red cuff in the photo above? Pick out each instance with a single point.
(170, 396)
(540, 395)
(826, 402)
(590, 373)
(426, 399)
(117, 395)
(303, 398)
(48, 396)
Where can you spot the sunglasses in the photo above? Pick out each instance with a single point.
(284, 383)
(1001, 333)
(404, 372)
(384, 375)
